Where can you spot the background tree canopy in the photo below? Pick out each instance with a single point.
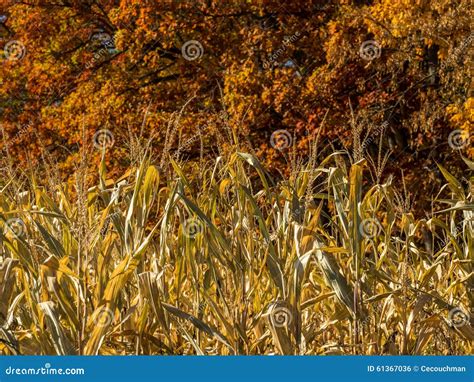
(374, 77)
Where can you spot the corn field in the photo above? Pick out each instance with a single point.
(234, 261)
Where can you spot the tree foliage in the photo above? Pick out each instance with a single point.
(261, 66)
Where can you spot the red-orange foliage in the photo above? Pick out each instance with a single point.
(91, 65)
